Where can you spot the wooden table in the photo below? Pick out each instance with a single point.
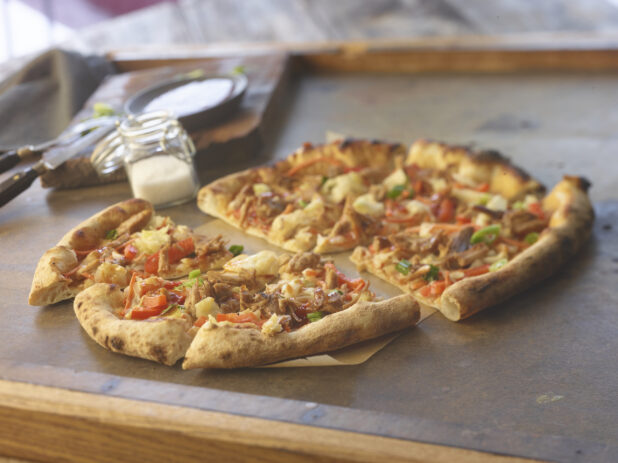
(532, 378)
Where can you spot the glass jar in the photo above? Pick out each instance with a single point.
(158, 159)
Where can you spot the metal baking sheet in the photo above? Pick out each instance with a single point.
(535, 376)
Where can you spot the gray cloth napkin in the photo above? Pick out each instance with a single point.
(38, 102)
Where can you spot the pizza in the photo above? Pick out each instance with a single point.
(112, 245)
(454, 229)
(299, 203)
(256, 310)
(484, 230)
(459, 230)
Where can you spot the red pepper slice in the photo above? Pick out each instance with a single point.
(472, 272)
(200, 321)
(180, 249)
(130, 252)
(141, 313)
(152, 264)
(483, 187)
(434, 289)
(248, 317)
(155, 301)
(537, 210)
(446, 210)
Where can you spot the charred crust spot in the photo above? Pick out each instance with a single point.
(116, 343)
(346, 142)
(584, 184)
(79, 304)
(226, 355)
(495, 157)
(95, 330)
(490, 156)
(158, 353)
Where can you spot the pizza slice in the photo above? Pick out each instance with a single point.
(257, 309)
(298, 201)
(122, 239)
(487, 233)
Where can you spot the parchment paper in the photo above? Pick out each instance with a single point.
(351, 355)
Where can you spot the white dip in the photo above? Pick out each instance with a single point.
(162, 180)
(192, 97)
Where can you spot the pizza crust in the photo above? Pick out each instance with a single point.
(49, 284)
(163, 340)
(489, 167)
(569, 228)
(231, 347)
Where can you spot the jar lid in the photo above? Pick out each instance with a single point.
(109, 154)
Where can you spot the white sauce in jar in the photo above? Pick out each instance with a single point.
(192, 97)
(163, 180)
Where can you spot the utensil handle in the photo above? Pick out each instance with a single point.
(9, 160)
(15, 184)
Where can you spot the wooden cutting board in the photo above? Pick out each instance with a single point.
(236, 139)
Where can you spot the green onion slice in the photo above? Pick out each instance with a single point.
(195, 273)
(531, 238)
(111, 234)
(324, 180)
(396, 191)
(497, 265)
(303, 203)
(432, 274)
(403, 266)
(485, 235)
(168, 309)
(314, 316)
(518, 205)
(484, 199)
(236, 249)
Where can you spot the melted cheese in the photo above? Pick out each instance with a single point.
(416, 207)
(150, 241)
(272, 326)
(337, 188)
(264, 263)
(206, 307)
(284, 225)
(497, 203)
(398, 177)
(438, 184)
(367, 205)
(470, 197)
(260, 188)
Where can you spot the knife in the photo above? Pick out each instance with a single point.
(9, 159)
(53, 158)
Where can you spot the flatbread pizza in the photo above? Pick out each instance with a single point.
(499, 236)
(257, 310)
(298, 203)
(459, 230)
(124, 238)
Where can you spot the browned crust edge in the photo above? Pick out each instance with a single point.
(230, 347)
(48, 283)
(162, 340)
(503, 176)
(569, 228)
